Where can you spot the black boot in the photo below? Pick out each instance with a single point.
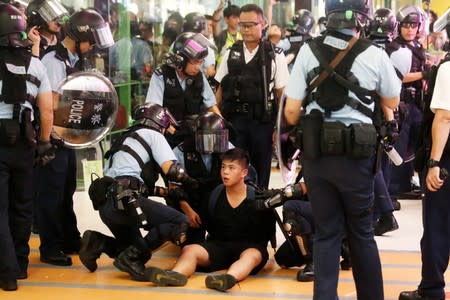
(307, 273)
(385, 224)
(132, 260)
(93, 244)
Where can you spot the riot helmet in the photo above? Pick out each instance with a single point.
(12, 27)
(87, 25)
(347, 13)
(303, 21)
(41, 12)
(194, 22)
(211, 134)
(154, 116)
(187, 45)
(383, 24)
(413, 14)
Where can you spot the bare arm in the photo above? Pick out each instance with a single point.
(292, 111)
(410, 77)
(390, 103)
(217, 15)
(45, 104)
(215, 109)
(219, 96)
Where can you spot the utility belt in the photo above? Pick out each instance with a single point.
(317, 138)
(11, 131)
(411, 95)
(251, 110)
(126, 192)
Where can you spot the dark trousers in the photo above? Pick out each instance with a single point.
(16, 208)
(435, 242)
(399, 177)
(303, 213)
(383, 201)
(341, 195)
(256, 137)
(164, 222)
(54, 203)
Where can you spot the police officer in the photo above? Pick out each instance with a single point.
(48, 16)
(24, 88)
(411, 63)
(57, 181)
(200, 155)
(252, 77)
(382, 30)
(339, 175)
(135, 160)
(196, 22)
(179, 84)
(303, 22)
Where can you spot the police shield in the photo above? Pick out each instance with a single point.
(287, 154)
(442, 22)
(84, 110)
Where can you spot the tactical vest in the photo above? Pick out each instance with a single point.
(243, 86)
(333, 93)
(208, 180)
(14, 64)
(150, 170)
(181, 103)
(297, 42)
(417, 64)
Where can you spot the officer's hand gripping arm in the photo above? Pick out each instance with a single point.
(178, 174)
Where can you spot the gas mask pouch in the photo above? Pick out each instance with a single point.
(363, 141)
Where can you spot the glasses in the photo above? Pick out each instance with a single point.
(248, 25)
(410, 25)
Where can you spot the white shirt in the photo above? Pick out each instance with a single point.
(441, 93)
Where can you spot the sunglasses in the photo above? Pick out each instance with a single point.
(248, 25)
(410, 25)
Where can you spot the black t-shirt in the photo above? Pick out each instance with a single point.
(242, 223)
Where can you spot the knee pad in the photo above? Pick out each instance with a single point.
(178, 234)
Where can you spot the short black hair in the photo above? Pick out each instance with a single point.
(231, 10)
(209, 17)
(237, 154)
(253, 8)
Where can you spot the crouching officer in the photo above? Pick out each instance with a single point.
(339, 140)
(24, 87)
(135, 160)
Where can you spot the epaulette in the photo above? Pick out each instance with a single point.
(278, 50)
(158, 71)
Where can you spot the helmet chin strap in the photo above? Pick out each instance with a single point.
(80, 55)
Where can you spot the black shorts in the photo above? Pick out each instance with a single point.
(223, 254)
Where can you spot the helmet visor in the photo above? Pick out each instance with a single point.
(442, 22)
(170, 118)
(52, 10)
(102, 36)
(211, 141)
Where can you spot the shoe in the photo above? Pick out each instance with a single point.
(396, 204)
(385, 224)
(8, 284)
(132, 261)
(58, 259)
(307, 273)
(221, 282)
(92, 245)
(22, 275)
(165, 277)
(414, 295)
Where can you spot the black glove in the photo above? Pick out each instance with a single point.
(292, 191)
(177, 194)
(45, 153)
(389, 132)
(427, 74)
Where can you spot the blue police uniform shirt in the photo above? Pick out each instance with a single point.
(372, 67)
(125, 165)
(36, 69)
(141, 54)
(155, 92)
(402, 60)
(210, 59)
(56, 69)
(207, 158)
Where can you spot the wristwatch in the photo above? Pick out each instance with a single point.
(431, 163)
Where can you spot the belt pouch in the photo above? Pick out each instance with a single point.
(363, 141)
(311, 125)
(9, 132)
(332, 140)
